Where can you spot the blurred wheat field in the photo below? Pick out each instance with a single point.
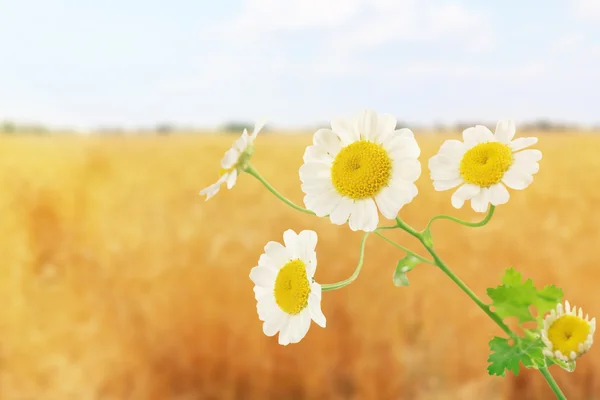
(120, 282)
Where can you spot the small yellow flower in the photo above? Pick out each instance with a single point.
(362, 164)
(287, 296)
(566, 334)
(483, 163)
(234, 160)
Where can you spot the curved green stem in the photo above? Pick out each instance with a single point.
(462, 222)
(404, 226)
(484, 307)
(407, 251)
(352, 278)
(252, 171)
(552, 383)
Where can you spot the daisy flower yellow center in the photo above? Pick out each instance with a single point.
(361, 169)
(292, 287)
(485, 164)
(567, 333)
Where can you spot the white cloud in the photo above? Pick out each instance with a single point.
(587, 10)
(361, 24)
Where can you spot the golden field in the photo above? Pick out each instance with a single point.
(120, 282)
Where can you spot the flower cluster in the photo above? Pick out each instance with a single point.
(363, 167)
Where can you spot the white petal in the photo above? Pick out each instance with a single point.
(317, 154)
(526, 161)
(307, 241)
(514, 178)
(498, 194)
(211, 190)
(449, 174)
(241, 144)
(267, 307)
(290, 238)
(386, 124)
(366, 125)
(408, 169)
(446, 184)
(404, 192)
(528, 155)
(274, 323)
(402, 144)
(284, 332)
(300, 325)
(278, 253)
(314, 305)
(317, 186)
(444, 167)
(505, 130)
(263, 293)
(521, 143)
(477, 134)
(364, 216)
(257, 128)
(341, 213)
(314, 170)
(480, 202)
(389, 201)
(263, 276)
(345, 129)
(464, 193)
(324, 203)
(267, 262)
(453, 150)
(230, 158)
(231, 178)
(327, 139)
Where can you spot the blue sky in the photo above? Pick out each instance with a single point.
(297, 62)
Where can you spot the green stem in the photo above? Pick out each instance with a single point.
(407, 251)
(552, 383)
(404, 226)
(484, 307)
(252, 171)
(352, 278)
(462, 222)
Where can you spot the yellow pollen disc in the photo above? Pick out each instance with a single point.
(485, 164)
(361, 169)
(567, 332)
(292, 287)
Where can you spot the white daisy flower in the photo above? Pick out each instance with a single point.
(483, 163)
(359, 165)
(234, 161)
(287, 296)
(566, 334)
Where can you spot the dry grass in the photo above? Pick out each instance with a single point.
(120, 282)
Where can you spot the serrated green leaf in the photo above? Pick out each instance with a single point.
(547, 299)
(505, 356)
(404, 265)
(512, 277)
(515, 297)
(514, 300)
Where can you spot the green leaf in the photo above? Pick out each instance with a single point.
(514, 297)
(512, 277)
(525, 350)
(547, 299)
(404, 265)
